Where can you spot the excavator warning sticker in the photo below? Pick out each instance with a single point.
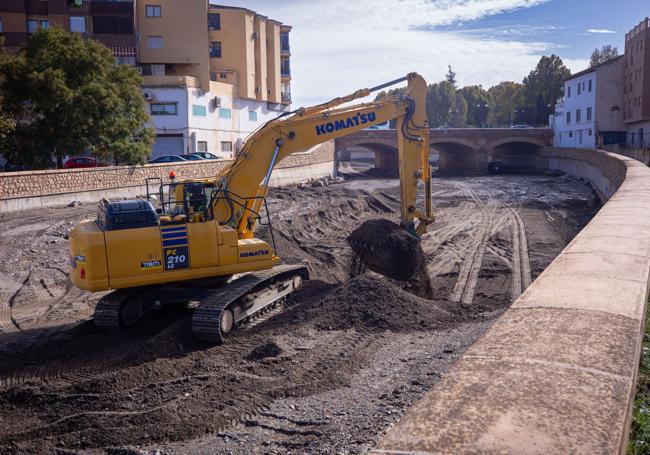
(177, 258)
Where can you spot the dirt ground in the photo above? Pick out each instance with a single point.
(328, 373)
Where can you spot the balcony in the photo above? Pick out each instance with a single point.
(170, 81)
(286, 98)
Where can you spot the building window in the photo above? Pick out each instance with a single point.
(215, 49)
(285, 67)
(154, 10)
(77, 24)
(164, 108)
(1, 29)
(112, 25)
(570, 133)
(578, 115)
(590, 132)
(578, 88)
(154, 42)
(226, 146)
(284, 42)
(202, 146)
(152, 69)
(214, 21)
(33, 25)
(130, 61)
(224, 112)
(568, 93)
(252, 116)
(590, 85)
(568, 118)
(198, 110)
(589, 110)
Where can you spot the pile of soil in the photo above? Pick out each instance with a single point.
(369, 302)
(386, 248)
(263, 351)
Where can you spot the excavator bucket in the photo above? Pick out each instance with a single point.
(386, 248)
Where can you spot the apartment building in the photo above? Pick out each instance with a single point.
(111, 22)
(213, 74)
(590, 112)
(636, 112)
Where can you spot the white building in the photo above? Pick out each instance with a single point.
(187, 119)
(590, 112)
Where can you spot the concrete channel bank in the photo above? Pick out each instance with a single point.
(557, 372)
(33, 189)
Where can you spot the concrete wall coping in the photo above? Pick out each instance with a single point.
(557, 372)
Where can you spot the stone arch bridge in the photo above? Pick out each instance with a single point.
(456, 150)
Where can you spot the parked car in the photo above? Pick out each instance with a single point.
(192, 157)
(80, 162)
(496, 167)
(168, 159)
(206, 155)
(10, 167)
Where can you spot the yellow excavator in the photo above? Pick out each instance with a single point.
(189, 238)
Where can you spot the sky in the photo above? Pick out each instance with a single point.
(339, 46)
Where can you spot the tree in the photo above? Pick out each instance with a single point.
(478, 105)
(451, 77)
(440, 103)
(543, 87)
(7, 124)
(603, 54)
(506, 97)
(459, 117)
(391, 92)
(67, 95)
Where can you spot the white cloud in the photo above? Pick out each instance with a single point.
(600, 30)
(338, 46)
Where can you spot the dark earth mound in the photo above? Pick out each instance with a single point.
(369, 302)
(386, 248)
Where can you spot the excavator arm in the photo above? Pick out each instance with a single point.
(245, 182)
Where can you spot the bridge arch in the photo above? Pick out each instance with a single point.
(518, 153)
(383, 155)
(519, 140)
(455, 156)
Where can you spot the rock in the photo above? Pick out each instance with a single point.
(74, 204)
(317, 184)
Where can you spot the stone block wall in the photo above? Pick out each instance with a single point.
(14, 185)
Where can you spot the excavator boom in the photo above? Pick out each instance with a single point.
(246, 179)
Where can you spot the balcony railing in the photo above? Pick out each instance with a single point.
(286, 96)
(171, 81)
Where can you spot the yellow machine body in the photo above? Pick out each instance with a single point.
(161, 254)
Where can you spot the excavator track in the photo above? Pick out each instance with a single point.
(107, 310)
(226, 308)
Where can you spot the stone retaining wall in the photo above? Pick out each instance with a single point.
(557, 372)
(25, 190)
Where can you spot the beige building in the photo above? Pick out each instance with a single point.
(636, 113)
(213, 74)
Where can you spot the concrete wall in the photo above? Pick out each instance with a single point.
(557, 372)
(28, 190)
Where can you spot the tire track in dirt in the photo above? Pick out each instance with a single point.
(521, 274)
(469, 271)
(7, 322)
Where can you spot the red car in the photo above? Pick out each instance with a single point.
(81, 161)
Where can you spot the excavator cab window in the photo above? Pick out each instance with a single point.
(195, 199)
